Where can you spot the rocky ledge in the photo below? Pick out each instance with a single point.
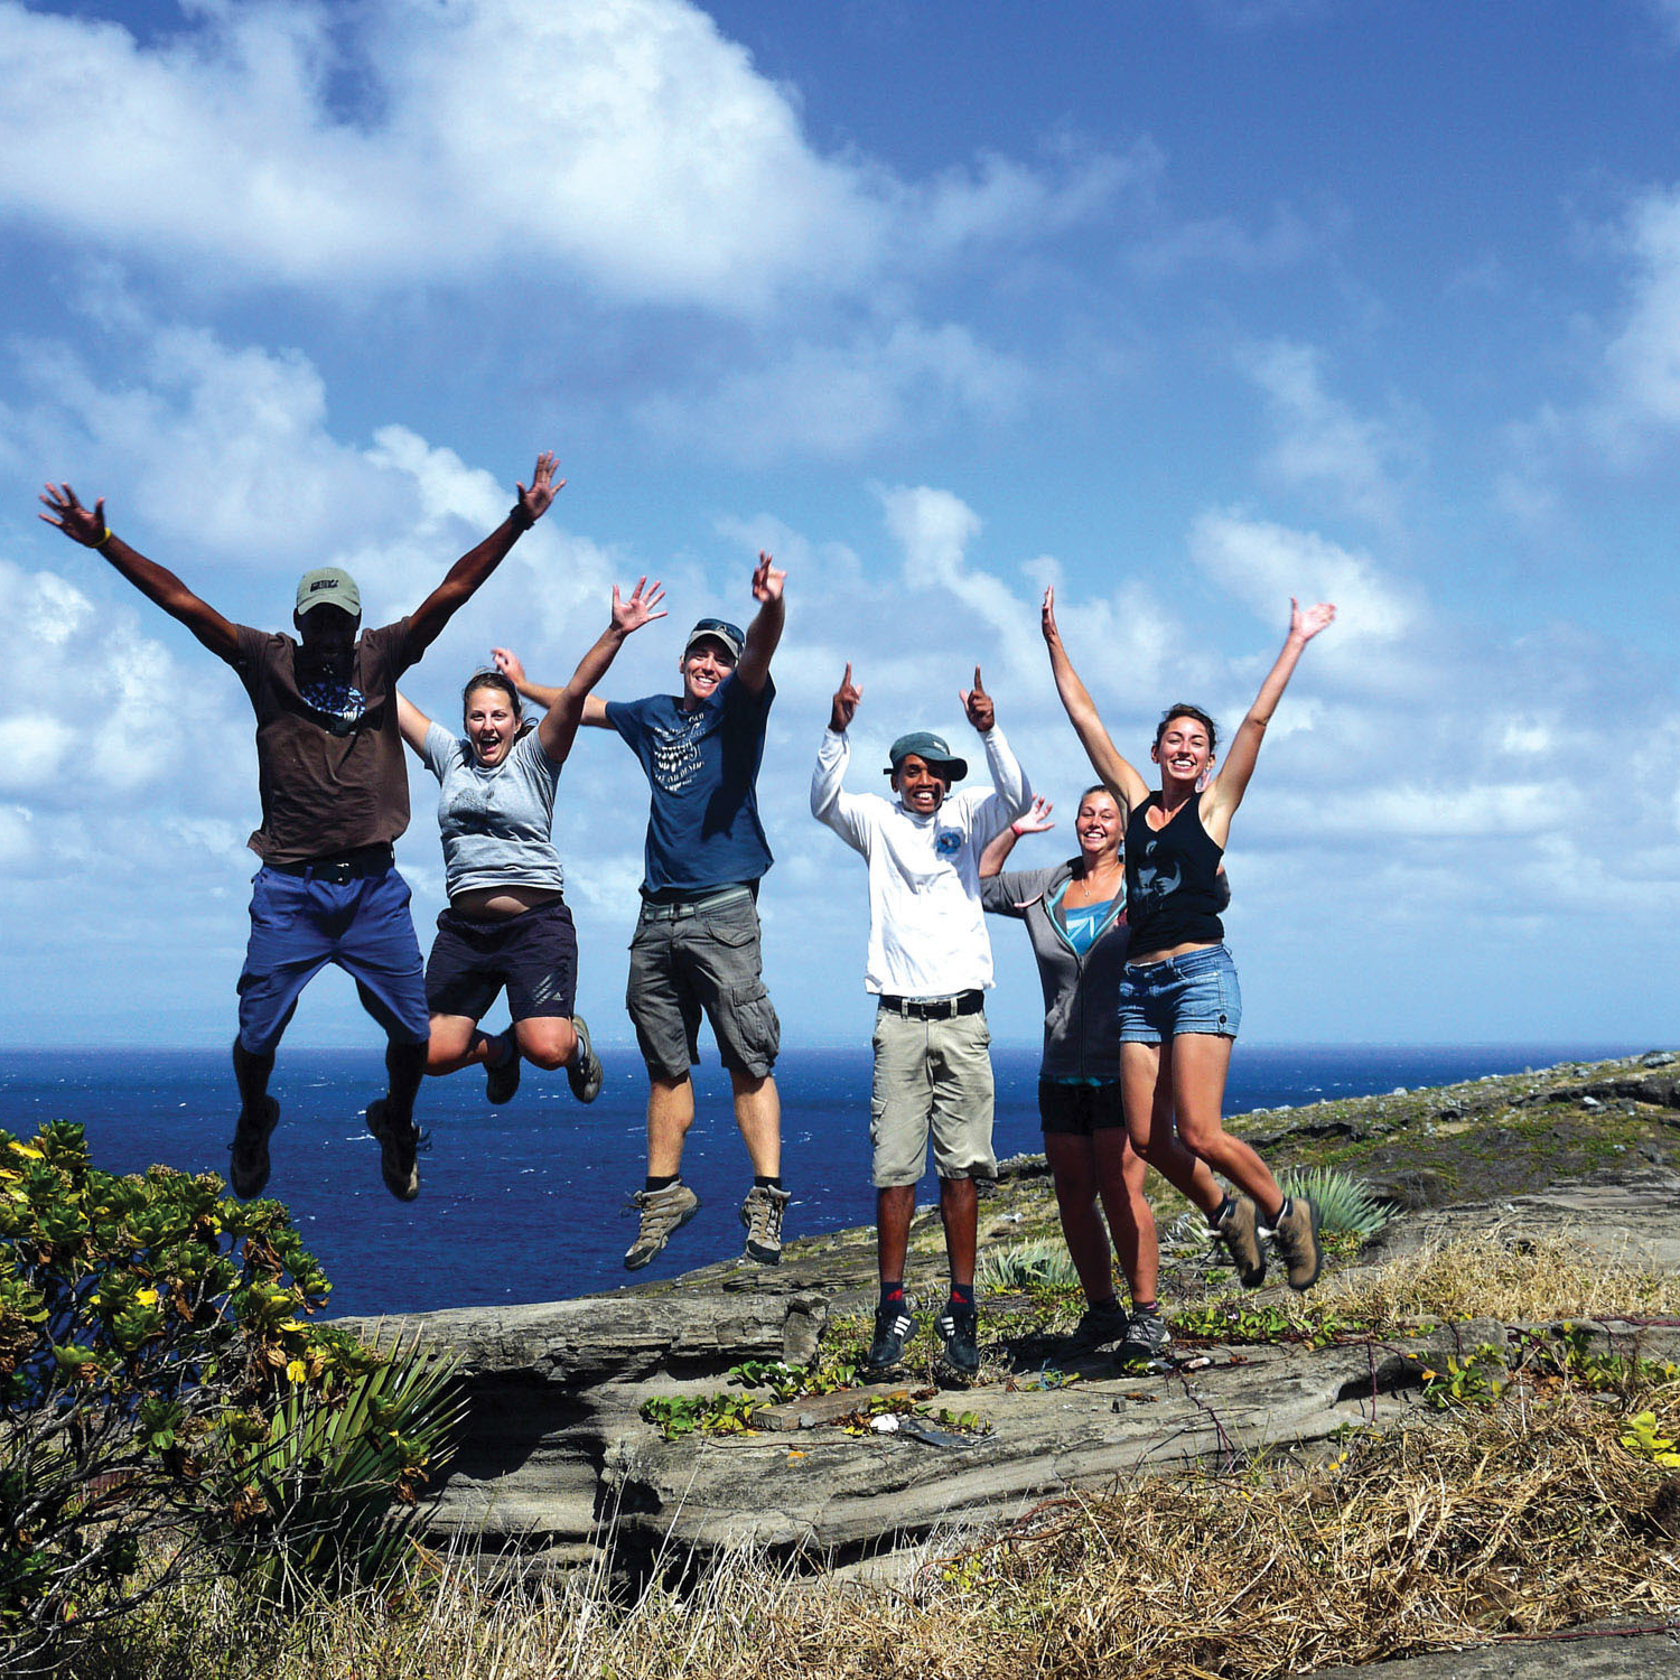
(557, 1461)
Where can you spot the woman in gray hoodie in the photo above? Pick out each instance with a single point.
(1075, 916)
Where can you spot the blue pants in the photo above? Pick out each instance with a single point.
(300, 924)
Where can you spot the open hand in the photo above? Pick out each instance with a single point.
(846, 698)
(1307, 624)
(639, 609)
(1047, 615)
(544, 489)
(507, 662)
(75, 521)
(767, 581)
(978, 704)
(1036, 819)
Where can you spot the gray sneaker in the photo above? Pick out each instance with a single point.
(1146, 1340)
(584, 1072)
(761, 1213)
(248, 1169)
(1239, 1230)
(1295, 1237)
(1101, 1326)
(663, 1211)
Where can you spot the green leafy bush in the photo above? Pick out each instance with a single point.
(157, 1372)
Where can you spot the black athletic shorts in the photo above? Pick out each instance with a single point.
(1079, 1109)
(533, 954)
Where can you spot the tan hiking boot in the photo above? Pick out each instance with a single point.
(1295, 1238)
(761, 1213)
(1239, 1230)
(663, 1211)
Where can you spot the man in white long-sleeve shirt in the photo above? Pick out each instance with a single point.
(930, 963)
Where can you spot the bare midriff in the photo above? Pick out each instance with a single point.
(1174, 951)
(496, 904)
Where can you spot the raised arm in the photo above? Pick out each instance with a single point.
(412, 722)
(1224, 793)
(507, 662)
(1011, 796)
(464, 577)
(765, 631)
(559, 725)
(153, 581)
(1036, 821)
(1116, 774)
(830, 804)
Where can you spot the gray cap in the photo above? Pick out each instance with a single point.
(328, 586)
(717, 630)
(933, 752)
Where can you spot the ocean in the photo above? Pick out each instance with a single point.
(528, 1203)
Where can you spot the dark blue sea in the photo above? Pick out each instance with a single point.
(526, 1203)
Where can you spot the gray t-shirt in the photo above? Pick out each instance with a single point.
(495, 823)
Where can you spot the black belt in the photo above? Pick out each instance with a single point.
(935, 1009)
(340, 868)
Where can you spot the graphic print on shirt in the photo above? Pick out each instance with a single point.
(676, 755)
(948, 842)
(337, 703)
(1152, 885)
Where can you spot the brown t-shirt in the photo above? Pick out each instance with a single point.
(329, 757)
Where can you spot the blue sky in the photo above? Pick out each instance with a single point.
(1184, 307)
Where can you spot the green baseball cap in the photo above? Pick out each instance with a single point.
(328, 586)
(933, 752)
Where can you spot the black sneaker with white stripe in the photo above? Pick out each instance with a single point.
(893, 1328)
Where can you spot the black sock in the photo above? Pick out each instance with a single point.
(760, 1182)
(1217, 1217)
(892, 1292)
(1149, 1309)
(661, 1183)
(1107, 1304)
(497, 1057)
(962, 1294)
(1282, 1213)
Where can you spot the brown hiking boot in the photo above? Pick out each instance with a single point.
(1239, 1230)
(761, 1213)
(1295, 1237)
(663, 1211)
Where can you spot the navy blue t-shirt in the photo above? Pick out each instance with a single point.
(702, 770)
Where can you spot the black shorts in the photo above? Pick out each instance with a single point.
(533, 954)
(1079, 1109)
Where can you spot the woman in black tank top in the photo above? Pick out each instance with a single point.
(1179, 1005)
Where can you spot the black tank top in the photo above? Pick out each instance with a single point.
(1172, 890)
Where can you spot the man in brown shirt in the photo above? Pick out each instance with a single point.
(334, 793)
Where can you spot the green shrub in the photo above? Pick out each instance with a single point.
(1346, 1205)
(156, 1366)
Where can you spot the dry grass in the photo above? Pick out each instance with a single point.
(1525, 1518)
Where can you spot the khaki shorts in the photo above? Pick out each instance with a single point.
(931, 1078)
(701, 960)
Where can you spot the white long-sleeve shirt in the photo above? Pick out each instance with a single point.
(927, 931)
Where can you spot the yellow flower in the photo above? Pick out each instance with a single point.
(295, 1371)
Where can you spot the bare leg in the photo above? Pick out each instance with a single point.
(455, 1043)
(670, 1113)
(1073, 1169)
(758, 1112)
(1200, 1062)
(959, 1211)
(1120, 1173)
(895, 1206)
(547, 1041)
(1146, 1086)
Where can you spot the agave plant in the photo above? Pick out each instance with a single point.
(326, 1497)
(1345, 1204)
(1027, 1265)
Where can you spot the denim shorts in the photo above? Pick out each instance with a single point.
(1194, 993)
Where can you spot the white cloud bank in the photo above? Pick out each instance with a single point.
(403, 141)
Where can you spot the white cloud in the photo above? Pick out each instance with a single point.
(1223, 242)
(631, 145)
(1322, 445)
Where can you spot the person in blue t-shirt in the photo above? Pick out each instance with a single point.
(696, 947)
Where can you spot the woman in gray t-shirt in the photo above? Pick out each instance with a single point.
(507, 924)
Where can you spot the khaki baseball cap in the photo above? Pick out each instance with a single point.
(328, 586)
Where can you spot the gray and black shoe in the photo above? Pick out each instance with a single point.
(1147, 1338)
(959, 1329)
(761, 1213)
(1101, 1326)
(893, 1328)
(501, 1079)
(1295, 1238)
(398, 1146)
(584, 1072)
(248, 1168)
(1239, 1230)
(663, 1211)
